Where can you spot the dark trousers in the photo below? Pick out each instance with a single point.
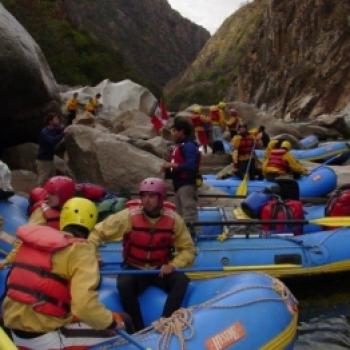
(242, 168)
(130, 286)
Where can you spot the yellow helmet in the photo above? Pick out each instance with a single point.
(197, 109)
(80, 212)
(222, 105)
(286, 144)
(213, 108)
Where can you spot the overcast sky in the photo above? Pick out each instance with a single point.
(208, 13)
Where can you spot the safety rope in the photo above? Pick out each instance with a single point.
(179, 321)
(182, 319)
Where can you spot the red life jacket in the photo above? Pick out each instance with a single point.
(51, 215)
(245, 146)
(91, 191)
(31, 280)
(197, 121)
(276, 160)
(148, 243)
(178, 158)
(215, 117)
(283, 210)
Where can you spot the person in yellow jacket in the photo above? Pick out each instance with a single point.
(280, 163)
(232, 122)
(243, 144)
(72, 108)
(154, 237)
(51, 296)
(281, 166)
(93, 104)
(217, 122)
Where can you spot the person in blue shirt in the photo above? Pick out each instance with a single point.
(183, 169)
(49, 138)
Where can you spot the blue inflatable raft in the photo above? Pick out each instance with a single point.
(312, 253)
(318, 183)
(321, 153)
(243, 312)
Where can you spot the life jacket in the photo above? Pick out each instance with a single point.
(31, 280)
(148, 243)
(283, 210)
(276, 160)
(215, 117)
(177, 157)
(245, 146)
(197, 122)
(339, 203)
(51, 215)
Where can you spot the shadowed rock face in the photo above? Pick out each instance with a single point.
(27, 89)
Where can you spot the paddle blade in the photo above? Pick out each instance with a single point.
(242, 189)
(334, 221)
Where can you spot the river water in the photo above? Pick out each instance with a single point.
(324, 320)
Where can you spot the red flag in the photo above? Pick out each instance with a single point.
(160, 116)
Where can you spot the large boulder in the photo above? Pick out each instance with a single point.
(117, 97)
(108, 160)
(28, 89)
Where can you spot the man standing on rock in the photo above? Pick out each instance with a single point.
(49, 137)
(183, 169)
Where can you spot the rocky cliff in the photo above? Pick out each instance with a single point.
(86, 41)
(156, 40)
(288, 56)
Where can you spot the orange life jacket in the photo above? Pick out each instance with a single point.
(149, 243)
(276, 160)
(30, 280)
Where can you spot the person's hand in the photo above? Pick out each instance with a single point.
(166, 269)
(167, 165)
(119, 320)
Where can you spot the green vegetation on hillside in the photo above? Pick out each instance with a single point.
(216, 68)
(74, 56)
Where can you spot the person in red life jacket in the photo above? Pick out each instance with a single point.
(59, 189)
(243, 148)
(200, 122)
(154, 237)
(281, 166)
(51, 298)
(183, 169)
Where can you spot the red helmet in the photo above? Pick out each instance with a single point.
(61, 186)
(155, 185)
(37, 194)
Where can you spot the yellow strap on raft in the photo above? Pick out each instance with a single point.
(5, 342)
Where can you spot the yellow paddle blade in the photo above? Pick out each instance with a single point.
(242, 189)
(261, 267)
(5, 342)
(332, 221)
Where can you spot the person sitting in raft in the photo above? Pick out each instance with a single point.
(152, 232)
(243, 148)
(281, 166)
(51, 300)
(263, 137)
(199, 120)
(58, 190)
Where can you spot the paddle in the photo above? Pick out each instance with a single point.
(242, 189)
(269, 267)
(325, 221)
(124, 335)
(5, 341)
